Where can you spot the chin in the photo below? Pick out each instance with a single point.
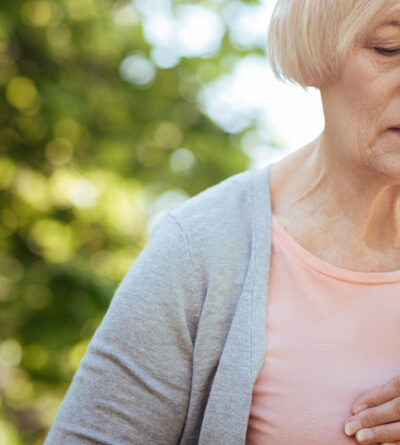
(387, 167)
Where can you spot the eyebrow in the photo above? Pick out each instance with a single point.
(393, 23)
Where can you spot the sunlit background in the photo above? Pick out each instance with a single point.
(110, 112)
(249, 92)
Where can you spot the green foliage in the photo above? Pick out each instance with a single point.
(83, 155)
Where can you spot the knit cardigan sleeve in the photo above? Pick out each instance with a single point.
(133, 384)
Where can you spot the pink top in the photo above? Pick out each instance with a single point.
(332, 335)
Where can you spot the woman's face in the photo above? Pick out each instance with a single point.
(363, 107)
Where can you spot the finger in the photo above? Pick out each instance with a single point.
(378, 395)
(389, 433)
(370, 417)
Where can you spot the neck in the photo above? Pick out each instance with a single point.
(357, 208)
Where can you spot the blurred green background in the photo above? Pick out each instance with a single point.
(101, 130)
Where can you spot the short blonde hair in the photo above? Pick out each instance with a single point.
(309, 40)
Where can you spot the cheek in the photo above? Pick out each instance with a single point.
(364, 102)
(360, 86)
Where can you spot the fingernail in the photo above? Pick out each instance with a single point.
(365, 435)
(359, 408)
(352, 427)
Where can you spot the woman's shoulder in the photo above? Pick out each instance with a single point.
(221, 206)
(218, 223)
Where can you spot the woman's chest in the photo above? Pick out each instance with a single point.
(327, 342)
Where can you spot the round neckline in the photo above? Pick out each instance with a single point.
(329, 269)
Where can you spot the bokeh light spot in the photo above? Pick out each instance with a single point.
(138, 70)
(59, 36)
(32, 187)
(55, 240)
(71, 129)
(10, 352)
(32, 130)
(59, 151)
(182, 160)
(19, 390)
(7, 172)
(192, 21)
(126, 15)
(21, 93)
(38, 12)
(82, 193)
(167, 135)
(165, 56)
(34, 356)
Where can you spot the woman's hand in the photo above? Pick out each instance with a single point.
(377, 412)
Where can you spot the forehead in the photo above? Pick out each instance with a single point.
(388, 14)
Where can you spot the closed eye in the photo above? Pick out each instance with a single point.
(387, 52)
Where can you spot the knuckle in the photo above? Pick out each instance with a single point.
(369, 418)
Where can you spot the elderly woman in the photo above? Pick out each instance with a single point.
(266, 309)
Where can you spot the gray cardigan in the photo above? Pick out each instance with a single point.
(182, 343)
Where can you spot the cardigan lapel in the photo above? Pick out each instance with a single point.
(228, 407)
